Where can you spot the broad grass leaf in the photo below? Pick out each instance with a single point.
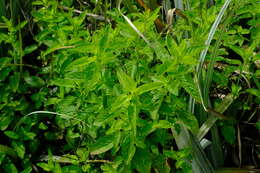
(148, 87)
(102, 145)
(126, 81)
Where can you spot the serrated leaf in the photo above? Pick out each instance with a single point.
(148, 87)
(188, 84)
(70, 83)
(102, 145)
(81, 62)
(126, 81)
(120, 101)
(164, 124)
(128, 149)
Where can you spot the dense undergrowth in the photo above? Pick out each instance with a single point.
(132, 86)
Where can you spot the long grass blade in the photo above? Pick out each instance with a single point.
(64, 116)
(178, 4)
(206, 126)
(211, 34)
(131, 24)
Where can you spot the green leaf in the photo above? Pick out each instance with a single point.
(132, 116)
(30, 49)
(10, 167)
(7, 150)
(229, 133)
(5, 121)
(14, 81)
(29, 135)
(126, 81)
(163, 124)
(148, 87)
(257, 125)
(27, 170)
(71, 169)
(121, 101)
(4, 61)
(37, 3)
(19, 148)
(102, 145)
(34, 81)
(81, 62)
(128, 149)
(70, 83)
(142, 161)
(188, 84)
(253, 91)
(45, 166)
(11, 134)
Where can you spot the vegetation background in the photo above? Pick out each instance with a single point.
(129, 86)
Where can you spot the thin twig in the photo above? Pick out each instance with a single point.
(25, 65)
(95, 16)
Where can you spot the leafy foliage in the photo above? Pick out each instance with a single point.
(85, 95)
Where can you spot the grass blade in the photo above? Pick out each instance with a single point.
(206, 126)
(132, 25)
(211, 34)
